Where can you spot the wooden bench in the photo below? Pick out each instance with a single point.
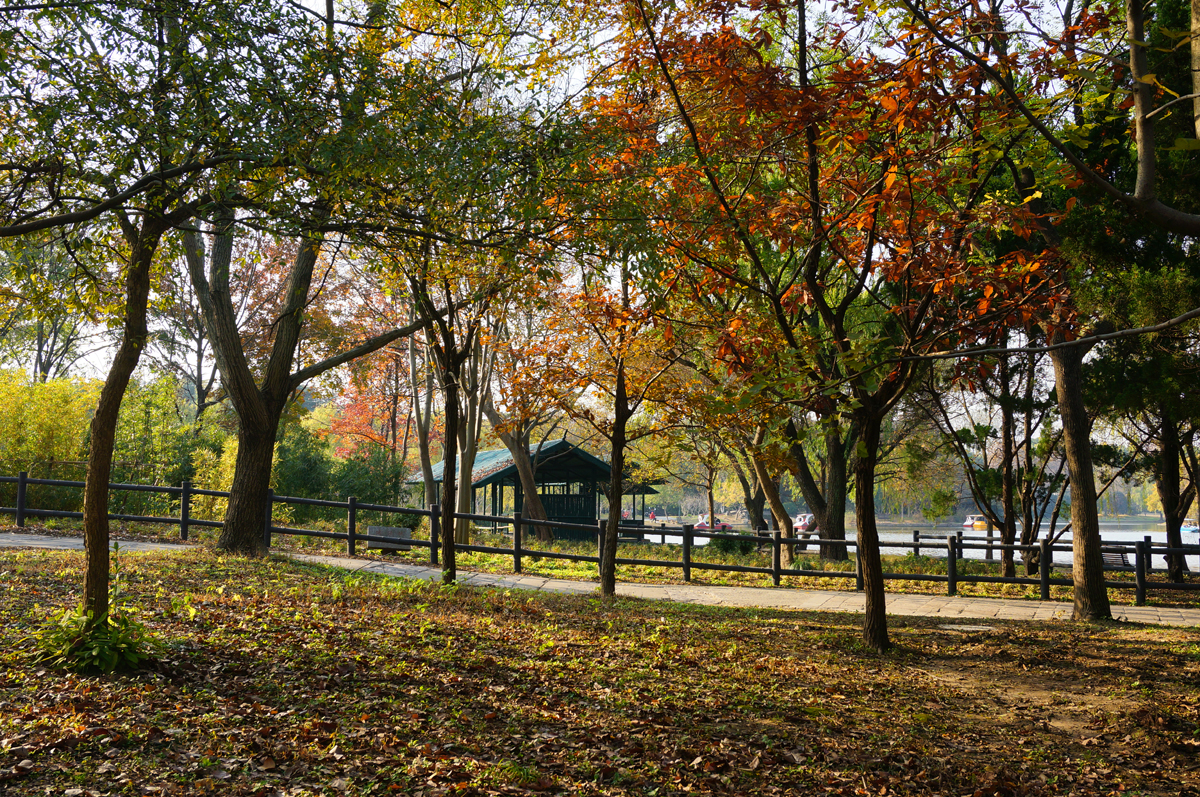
(1114, 560)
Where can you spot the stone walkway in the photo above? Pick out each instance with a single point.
(747, 597)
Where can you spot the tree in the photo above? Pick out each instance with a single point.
(1005, 396)
(259, 401)
(619, 366)
(844, 218)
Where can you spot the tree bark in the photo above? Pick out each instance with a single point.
(258, 409)
(783, 520)
(518, 447)
(1091, 596)
(1166, 480)
(826, 500)
(1196, 65)
(245, 516)
(875, 632)
(143, 244)
(621, 415)
(424, 420)
(449, 470)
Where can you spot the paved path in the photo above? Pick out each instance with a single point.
(748, 597)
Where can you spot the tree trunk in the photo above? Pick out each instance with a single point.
(1167, 481)
(753, 497)
(449, 470)
(1091, 596)
(1008, 530)
(783, 520)
(1196, 66)
(424, 420)
(621, 415)
(104, 422)
(518, 447)
(832, 525)
(468, 447)
(826, 500)
(258, 409)
(875, 631)
(245, 516)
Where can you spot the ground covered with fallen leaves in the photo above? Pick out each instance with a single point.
(282, 678)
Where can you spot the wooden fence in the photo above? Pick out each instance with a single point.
(953, 545)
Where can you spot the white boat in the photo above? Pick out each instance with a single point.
(1189, 526)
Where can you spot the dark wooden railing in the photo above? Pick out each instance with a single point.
(953, 545)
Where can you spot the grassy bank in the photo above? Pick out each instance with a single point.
(282, 678)
(585, 571)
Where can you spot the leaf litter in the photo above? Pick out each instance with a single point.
(281, 678)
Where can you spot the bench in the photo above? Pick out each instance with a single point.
(394, 532)
(1114, 560)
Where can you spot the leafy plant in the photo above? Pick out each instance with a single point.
(72, 641)
(742, 547)
(79, 641)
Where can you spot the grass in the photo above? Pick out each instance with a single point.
(585, 571)
(283, 678)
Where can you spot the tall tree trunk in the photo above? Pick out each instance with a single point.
(258, 409)
(783, 520)
(245, 516)
(143, 244)
(875, 632)
(753, 497)
(424, 420)
(621, 415)
(826, 500)
(1167, 481)
(449, 470)
(468, 447)
(1091, 596)
(832, 526)
(1008, 530)
(1196, 65)
(518, 447)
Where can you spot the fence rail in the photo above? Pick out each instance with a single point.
(953, 545)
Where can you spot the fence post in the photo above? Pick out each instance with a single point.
(1045, 554)
(516, 520)
(952, 564)
(958, 549)
(185, 509)
(776, 556)
(1141, 554)
(351, 523)
(916, 542)
(435, 525)
(267, 520)
(687, 552)
(22, 477)
(1149, 555)
(989, 542)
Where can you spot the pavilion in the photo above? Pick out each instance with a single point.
(571, 483)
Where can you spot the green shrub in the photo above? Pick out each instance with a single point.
(740, 547)
(72, 642)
